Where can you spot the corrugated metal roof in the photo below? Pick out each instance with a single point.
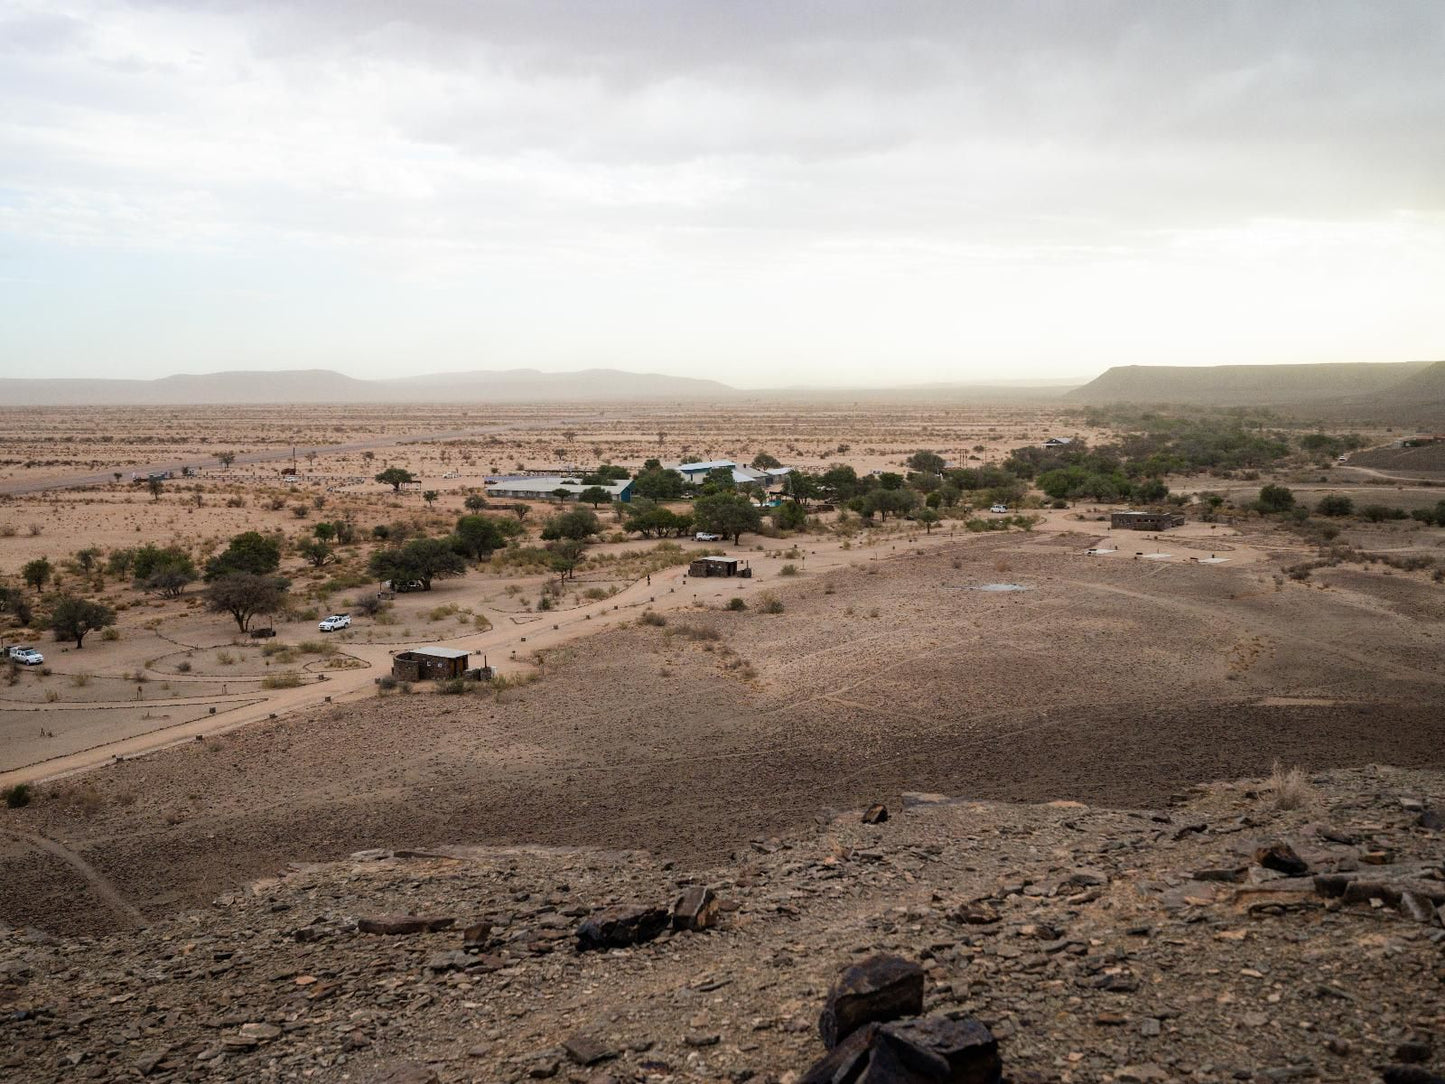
(546, 484)
(438, 652)
(711, 464)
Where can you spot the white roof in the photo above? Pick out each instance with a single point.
(711, 464)
(440, 652)
(549, 483)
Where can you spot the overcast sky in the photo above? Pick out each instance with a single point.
(768, 192)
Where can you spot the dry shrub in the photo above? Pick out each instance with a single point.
(1290, 789)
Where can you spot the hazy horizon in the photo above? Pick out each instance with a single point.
(771, 196)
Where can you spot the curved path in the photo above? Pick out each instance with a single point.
(93, 877)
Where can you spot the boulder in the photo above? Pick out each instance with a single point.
(396, 925)
(1411, 1074)
(587, 1050)
(407, 1072)
(876, 813)
(1281, 858)
(476, 936)
(620, 926)
(874, 990)
(696, 909)
(930, 1050)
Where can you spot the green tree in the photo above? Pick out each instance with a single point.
(564, 555)
(430, 496)
(928, 517)
(926, 462)
(155, 486)
(72, 618)
(596, 496)
(250, 552)
(657, 484)
(37, 572)
(763, 461)
(243, 595)
(477, 536)
(315, 551)
(226, 459)
(421, 559)
(87, 557)
(727, 514)
(520, 511)
(789, 516)
(164, 572)
(395, 477)
(1274, 498)
(1151, 490)
(1335, 504)
(578, 524)
(475, 502)
(324, 531)
(14, 602)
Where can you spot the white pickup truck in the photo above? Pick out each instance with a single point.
(25, 656)
(708, 536)
(334, 622)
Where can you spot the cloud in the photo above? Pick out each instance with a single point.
(455, 142)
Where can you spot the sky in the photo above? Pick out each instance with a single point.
(764, 192)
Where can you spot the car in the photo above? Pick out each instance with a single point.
(334, 622)
(708, 536)
(1343, 459)
(999, 508)
(403, 586)
(26, 656)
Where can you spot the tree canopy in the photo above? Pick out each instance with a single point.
(243, 595)
(73, 618)
(727, 514)
(250, 552)
(422, 560)
(395, 477)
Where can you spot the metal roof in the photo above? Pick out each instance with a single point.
(547, 483)
(711, 464)
(438, 652)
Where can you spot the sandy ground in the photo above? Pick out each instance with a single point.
(1106, 679)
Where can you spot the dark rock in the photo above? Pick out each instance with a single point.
(700, 1039)
(845, 1061)
(875, 814)
(1416, 906)
(975, 913)
(932, 1050)
(696, 909)
(476, 936)
(147, 1062)
(1281, 858)
(1232, 876)
(1413, 1052)
(442, 962)
(1410, 1074)
(964, 1049)
(587, 1050)
(1432, 819)
(620, 926)
(1365, 891)
(1333, 884)
(403, 924)
(876, 989)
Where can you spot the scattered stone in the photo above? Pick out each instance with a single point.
(442, 962)
(932, 1050)
(701, 1039)
(1140, 1074)
(147, 1062)
(397, 925)
(620, 926)
(1281, 858)
(1088, 878)
(975, 913)
(408, 1072)
(1150, 1028)
(1234, 876)
(476, 936)
(1416, 906)
(875, 814)
(876, 989)
(588, 1050)
(696, 909)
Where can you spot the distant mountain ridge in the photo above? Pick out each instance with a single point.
(1245, 385)
(316, 386)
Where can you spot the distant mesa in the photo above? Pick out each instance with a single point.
(1407, 393)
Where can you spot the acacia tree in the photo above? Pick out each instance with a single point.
(421, 559)
(430, 496)
(226, 459)
(394, 477)
(251, 552)
(727, 514)
(37, 572)
(72, 618)
(477, 536)
(243, 595)
(596, 496)
(315, 551)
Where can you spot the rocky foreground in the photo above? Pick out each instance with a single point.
(1221, 939)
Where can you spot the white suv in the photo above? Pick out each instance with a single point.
(999, 508)
(708, 536)
(26, 656)
(334, 622)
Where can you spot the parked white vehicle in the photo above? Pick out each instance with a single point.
(26, 656)
(999, 508)
(708, 536)
(334, 622)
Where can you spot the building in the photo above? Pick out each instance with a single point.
(696, 472)
(544, 487)
(429, 663)
(718, 566)
(1058, 442)
(1146, 521)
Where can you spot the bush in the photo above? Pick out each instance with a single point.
(386, 681)
(652, 618)
(18, 796)
(1335, 504)
(788, 570)
(1378, 513)
(770, 603)
(736, 604)
(457, 686)
(286, 679)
